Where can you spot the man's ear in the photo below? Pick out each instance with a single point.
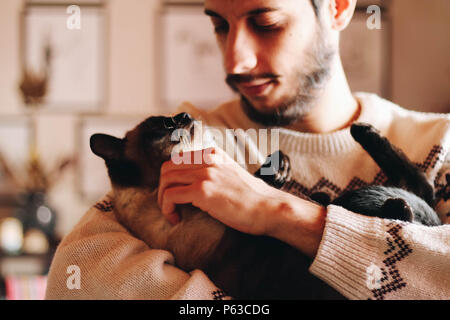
(107, 147)
(341, 12)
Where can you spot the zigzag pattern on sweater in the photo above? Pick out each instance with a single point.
(397, 250)
(325, 185)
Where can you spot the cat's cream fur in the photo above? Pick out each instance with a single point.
(138, 210)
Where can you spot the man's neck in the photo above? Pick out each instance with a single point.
(334, 109)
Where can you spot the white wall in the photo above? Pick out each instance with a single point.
(132, 55)
(9, 56)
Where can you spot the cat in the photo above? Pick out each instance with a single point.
(244, 266)
(407, 196)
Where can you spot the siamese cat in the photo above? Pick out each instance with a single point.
(244, 266)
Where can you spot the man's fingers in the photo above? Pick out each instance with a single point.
(189, 160)
(174, 196)
(179, 177)
(183, 182)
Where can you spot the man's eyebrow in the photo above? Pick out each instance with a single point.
(212, 13)
(255, 12)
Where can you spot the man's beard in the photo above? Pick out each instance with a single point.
(309, 87)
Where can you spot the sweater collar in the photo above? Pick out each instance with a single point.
(374, 110)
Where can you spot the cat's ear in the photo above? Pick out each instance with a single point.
(397, 209)
(107, 147)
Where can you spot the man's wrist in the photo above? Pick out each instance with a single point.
(297, 222)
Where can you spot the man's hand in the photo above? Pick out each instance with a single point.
(219, 186)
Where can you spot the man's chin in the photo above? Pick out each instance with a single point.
(271, 116)
(260, 104)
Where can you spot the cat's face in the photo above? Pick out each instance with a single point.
(135, 160)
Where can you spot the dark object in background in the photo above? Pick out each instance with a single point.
(28, 245)
(35, 213)
(2, 289)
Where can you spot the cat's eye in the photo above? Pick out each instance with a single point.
(169, 123)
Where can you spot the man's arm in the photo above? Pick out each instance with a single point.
(362, 257)
(366, 257)
(371, 258)
(100, 259)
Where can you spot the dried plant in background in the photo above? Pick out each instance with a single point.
(33, 87)
(7, 171)
(36, 178)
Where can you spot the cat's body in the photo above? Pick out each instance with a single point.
(407, 196)
(245, 266)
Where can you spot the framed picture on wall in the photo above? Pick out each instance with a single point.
(191, 66)
(366, 54)
(63, 56)
(92, 178)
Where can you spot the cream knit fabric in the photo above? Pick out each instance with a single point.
(362, 257)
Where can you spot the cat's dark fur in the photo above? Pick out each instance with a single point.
(407, 196)
(245, 266)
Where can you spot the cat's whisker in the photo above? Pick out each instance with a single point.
(186, 142)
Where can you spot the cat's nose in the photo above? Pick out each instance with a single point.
(183, 118)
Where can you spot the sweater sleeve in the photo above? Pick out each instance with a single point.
(100, 259)
(371, 258)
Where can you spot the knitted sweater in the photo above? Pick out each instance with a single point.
(361, 257)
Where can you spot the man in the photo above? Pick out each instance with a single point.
(283, 59)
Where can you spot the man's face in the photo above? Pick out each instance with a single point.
(276, 55)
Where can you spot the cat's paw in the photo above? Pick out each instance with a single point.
(276, 171)
(397, 209)
(362, 130)
(368, 137)
(321, 198)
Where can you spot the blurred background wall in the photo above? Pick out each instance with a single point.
(421, 52)
(130, 88)
(416, 75)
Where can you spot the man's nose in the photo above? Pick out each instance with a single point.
(240, 55)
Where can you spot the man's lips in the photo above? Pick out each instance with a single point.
(256, 87)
